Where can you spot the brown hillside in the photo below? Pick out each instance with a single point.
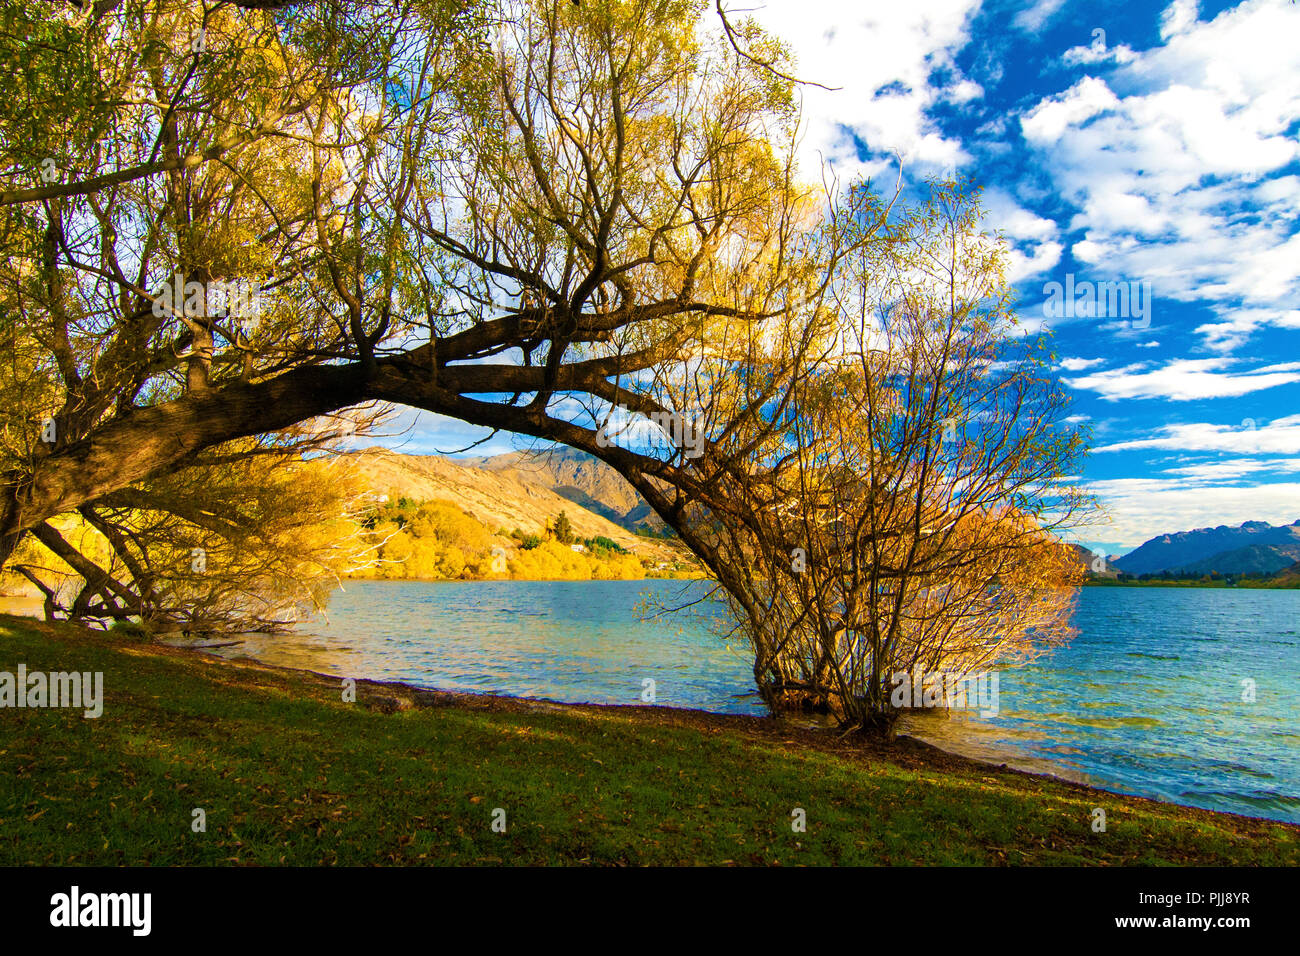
(500, 498)
(580, 478)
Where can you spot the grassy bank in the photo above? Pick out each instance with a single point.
(286, 772)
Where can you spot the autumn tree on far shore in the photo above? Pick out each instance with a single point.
(562, 529)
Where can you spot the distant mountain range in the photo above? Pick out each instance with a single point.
(526, 489)
(1255, 547)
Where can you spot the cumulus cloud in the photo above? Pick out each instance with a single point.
(888, 65)
(1181, 177)
(1032, 239)
(1178, 18)
(1098, 52)
(1048, 122)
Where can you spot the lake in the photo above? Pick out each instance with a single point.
(1148, 699)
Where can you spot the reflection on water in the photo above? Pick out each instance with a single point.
(1148, 699)
(994, 741)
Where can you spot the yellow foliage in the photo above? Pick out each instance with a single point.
(436, 541)
(552, 561)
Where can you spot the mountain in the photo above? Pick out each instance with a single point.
(1255, 546)
(507, 494)
(584, 480)
(1289, 577)
(1252, 559)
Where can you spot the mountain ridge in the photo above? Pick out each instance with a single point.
(526, 489)
(575, 475)
(1252, 547)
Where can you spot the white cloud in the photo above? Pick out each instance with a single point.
(1240, 323)
(1180, 381)
(417, 432)
(881, 60)
(1040, 258)
(1179, 178)
(1098, 52)
(1178, 18)
(1235, 468)
(1142, 508)
(1032, 323)
(1250, 436)
(1002, 212)
(1079, 364)
(1032, 239)
(1037, 13)
(1047, 122)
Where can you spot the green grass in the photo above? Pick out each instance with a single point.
(289, 773)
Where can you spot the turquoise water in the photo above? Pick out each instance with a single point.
(1146, 700)
(579, 641)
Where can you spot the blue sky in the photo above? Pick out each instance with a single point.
(1152, 144)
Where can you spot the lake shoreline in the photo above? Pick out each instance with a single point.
(398, 696)
(290, 772)
(1095, 713)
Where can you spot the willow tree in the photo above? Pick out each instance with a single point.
(484, 211)
(250, 536)
(161, 152)
(905, 486)
(528, 215)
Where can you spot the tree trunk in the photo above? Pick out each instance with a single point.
(147, 441)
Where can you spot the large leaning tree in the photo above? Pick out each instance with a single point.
(498, 211)
(474, 210)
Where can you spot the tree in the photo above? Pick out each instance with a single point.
(574, 190)
(563, 530)
(899, 511)
(246, 538)
(503, 213)
(219, 143)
